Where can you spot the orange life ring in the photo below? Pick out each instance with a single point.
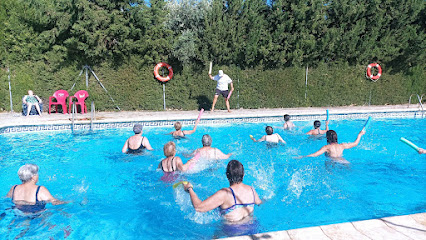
(371, 76)
(158, 76)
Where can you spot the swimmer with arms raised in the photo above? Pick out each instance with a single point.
(235, 203)
(334, 149)
(317, 130)
(269, 137)
(179, 133)
(136, 143)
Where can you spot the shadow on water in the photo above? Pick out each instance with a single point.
(204, 102)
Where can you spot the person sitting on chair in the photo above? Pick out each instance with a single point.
(32, 100)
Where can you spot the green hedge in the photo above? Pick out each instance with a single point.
(134, 88)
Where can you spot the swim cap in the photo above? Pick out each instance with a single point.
(137, 128)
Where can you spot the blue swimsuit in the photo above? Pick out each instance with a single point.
(237, 205)
(37, 207)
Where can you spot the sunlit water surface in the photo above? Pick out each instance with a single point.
(118, 196)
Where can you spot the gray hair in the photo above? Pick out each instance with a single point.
(206, 140)
(27, 172)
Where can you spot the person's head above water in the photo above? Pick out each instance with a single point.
(286, 117)
(178, 126)
(169, 149)
(235, 172)
(206, 140)
(317, 124)
(331, 136)
(27, 172)
(269, 130)
(137, 128)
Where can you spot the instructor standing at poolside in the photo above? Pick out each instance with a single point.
(222, 88)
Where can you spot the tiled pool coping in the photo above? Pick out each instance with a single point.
(398, 228)
(62, 122)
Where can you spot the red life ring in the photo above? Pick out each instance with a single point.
(371, 76)
(158, 76)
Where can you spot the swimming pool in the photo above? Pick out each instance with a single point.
(117, 196)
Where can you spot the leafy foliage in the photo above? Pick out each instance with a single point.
(266, 45)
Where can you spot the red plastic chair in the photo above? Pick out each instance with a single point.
(81, 97)
(61, 98)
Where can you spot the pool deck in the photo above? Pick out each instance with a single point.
(399, 227)
(17, 119)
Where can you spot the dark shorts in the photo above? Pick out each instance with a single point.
(223, 93)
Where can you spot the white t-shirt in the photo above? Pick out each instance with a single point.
(222, 82)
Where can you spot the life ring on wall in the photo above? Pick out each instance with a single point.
(371, 76)
(158, 76)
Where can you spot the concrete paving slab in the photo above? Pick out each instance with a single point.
(377, 229)
(308, 233)
(420, 218)
(407, 226)
(343, 231)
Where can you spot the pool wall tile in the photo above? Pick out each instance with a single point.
(208, 121)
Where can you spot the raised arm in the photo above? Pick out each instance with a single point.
(211, 77)
(210, 203)
(187, 132)
(326, 128)
(353, 144)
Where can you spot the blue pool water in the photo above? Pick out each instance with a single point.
(118, 196)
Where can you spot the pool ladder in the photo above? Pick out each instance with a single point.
(92, 115)
(420, 98)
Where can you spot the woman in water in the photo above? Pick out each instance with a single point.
(179, 133)
(136, 143)
(28, 197)
(334, 149)
(235, 203)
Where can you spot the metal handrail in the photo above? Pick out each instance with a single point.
(420, 102)
(92, 114)
(74, 108)
(409, 100)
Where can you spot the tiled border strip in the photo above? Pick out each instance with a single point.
(208, 121)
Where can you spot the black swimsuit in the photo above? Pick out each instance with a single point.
(137, 150)
(37, 207)
(171, 166)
